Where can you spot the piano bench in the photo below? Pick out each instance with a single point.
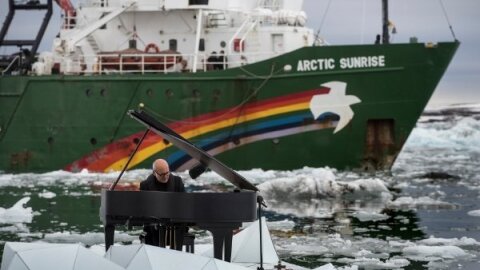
(189, 242)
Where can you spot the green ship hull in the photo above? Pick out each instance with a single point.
(347, 107)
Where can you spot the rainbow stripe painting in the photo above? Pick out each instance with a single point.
(216, 132)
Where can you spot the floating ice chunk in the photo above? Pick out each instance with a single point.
(462, 134)
(15, 228)
(366, 188)
(474, 213)
(301, 187)
(419, 202)
(433, 253)
(373, 263)
(47, 194)
(369, 216)
(282, 225)
(321, 183)
(464, 241)
(17, 213)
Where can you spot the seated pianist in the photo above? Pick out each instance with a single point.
(162, 180)
(160, 212)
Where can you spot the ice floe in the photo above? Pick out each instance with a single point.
(463, 241)
(68, 179)
(461, 134)
(434, 253)
(282, 225)
(372, 253)
(421, 202)
(17, 213)
(369, 216)
(47, 194)
(373, 263)
(474, 213)
(323, 184)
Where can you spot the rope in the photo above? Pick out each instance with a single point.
(237, 107)
(321, 23)
(448, 20)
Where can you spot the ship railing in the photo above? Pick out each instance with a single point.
(126, 63)
(15, 59)
(69, 21)
(270, 4)
(94, 3)
(139, 63)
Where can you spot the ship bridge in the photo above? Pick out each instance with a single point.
(162, 36)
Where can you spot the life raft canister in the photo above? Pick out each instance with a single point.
(151, 46)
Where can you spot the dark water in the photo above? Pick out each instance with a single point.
(375, 221)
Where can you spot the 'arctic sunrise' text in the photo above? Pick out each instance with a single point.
(343, 63)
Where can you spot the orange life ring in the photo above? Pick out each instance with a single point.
(152, 46)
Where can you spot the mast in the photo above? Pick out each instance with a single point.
(385, 35)
(197, 39)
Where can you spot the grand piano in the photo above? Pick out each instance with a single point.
(219, 213)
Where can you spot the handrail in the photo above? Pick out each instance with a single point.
(242, 41)
(230, 42)
(144, 63)
(11, 64)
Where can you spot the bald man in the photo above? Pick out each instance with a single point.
(162, 180)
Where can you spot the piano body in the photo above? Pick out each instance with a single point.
(219, 213)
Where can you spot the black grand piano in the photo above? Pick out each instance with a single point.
(219, 213)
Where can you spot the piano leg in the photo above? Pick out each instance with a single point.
(178, 234)
(109, 235)
(162, 234)
(222, 243)
(228, 245)
(217, 244)
(222, 238)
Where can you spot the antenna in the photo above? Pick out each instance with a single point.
(385, 34)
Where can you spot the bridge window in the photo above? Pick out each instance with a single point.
(172, 45)
(197, 2)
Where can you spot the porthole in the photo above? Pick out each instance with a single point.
(93, 141)
(196, 93)
(103, 92)
(50, 140)
(150, 92)
(88, 92)
(236, 140)
(169, 93)
(223, 44)
(216, 95)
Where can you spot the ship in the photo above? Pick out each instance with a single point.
(247, 81)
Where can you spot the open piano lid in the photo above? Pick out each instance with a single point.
(197, 153)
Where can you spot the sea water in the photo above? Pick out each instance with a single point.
(424, 214)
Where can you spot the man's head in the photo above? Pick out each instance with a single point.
(161, 170)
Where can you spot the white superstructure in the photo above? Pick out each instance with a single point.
(174, 35)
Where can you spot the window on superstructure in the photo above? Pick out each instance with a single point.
(172, 45)
(201, 46)
(197, 2)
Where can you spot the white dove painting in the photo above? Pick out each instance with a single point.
(336, 101)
